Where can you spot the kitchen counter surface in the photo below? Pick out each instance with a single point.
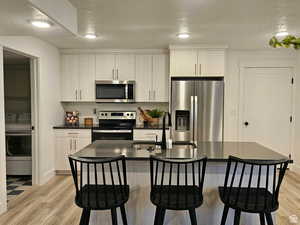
(215, 151)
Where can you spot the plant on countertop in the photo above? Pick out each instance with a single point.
(287, 42)
(155, 113)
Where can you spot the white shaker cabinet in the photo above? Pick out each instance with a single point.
(112, 66)
(197, 62)
(69, 141)
(152, 78)
(69, 77)
(149, 134)
(78, 78)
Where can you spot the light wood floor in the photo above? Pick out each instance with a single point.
(53, 203)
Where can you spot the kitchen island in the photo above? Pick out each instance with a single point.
(140, 210)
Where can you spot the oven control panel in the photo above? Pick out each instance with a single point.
(108, 115)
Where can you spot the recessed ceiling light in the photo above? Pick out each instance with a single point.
(90, 36)
(183, 35)
(40, 23)
(282, 34)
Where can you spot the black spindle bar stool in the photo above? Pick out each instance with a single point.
(176, 185)
(101, 184)
(244, 192)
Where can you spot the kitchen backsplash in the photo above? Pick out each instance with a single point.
(87, 109)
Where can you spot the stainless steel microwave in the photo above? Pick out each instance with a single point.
(115, 91)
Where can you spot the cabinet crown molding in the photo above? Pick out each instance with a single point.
(116, 51)
(197, 46)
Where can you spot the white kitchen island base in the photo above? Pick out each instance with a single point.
(140, 210)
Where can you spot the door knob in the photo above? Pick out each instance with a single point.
(246, 123)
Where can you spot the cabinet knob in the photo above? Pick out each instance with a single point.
(246, 123)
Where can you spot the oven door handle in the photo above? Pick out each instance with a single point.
(112, 131)
(18, 134)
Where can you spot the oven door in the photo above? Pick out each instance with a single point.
(115, 91)
(112, 135)
(18, 143)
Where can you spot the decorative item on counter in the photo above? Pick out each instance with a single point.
(72, 118)
(288, 41)
(88, 122)
(151, 116)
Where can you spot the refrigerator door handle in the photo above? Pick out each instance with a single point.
(195, 119)
(192, 119)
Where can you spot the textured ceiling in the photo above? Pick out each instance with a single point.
(242, 24)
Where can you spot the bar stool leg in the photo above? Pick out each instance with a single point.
(262, 219)
(193, 216)
(269, 219)
(237, 216)
(157, 213)
(224, 216)
(123, 213)
(114, 217)
(85, 217)
(162, 216)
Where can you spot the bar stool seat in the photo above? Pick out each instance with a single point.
(263, 201)
(177, 197)
(101, 197)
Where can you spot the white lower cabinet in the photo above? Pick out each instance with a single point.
(69, 141)
(149, 134)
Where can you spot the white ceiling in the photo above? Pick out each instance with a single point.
(242, 24)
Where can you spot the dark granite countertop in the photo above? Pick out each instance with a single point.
(215, 151)
(144, 126)
(80, 126)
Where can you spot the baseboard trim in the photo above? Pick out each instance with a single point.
(47, 176)
(63, 172)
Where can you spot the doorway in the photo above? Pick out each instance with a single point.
(266, 107)
(18, 99)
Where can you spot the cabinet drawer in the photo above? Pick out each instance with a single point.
(73, 133)
(148, 134)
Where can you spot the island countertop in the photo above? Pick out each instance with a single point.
(214, 151)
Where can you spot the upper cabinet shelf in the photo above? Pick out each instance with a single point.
(197, 61)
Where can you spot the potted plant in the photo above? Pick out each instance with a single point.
(155, 114)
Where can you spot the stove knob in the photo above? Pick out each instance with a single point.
(105, 114)
(102, 114)
(127, 114)
(131, 114)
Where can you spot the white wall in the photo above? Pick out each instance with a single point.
(297, 118)
(50, 109)
(2, 141)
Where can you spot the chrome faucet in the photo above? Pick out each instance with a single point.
(164, 138)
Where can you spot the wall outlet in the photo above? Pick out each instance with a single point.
(95, 111)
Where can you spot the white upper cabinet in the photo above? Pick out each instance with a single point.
(105, 67)
(143, 78)
(86, 78)
(152, 78)
(125, 64)
(69, 77)
(113, 66)
(160, 80)
(183, 62)
(197, 62)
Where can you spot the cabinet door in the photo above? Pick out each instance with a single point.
(143, 79)
(183, 62)
(63, 146)
(69, 78)
(105, 65)
(213, 63)
(149, 134)
(87, 77)
(82, 142)
(125, 66)
(160, 78)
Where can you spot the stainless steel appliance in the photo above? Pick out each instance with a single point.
(115, 125)
(18, 149)
(197, 109)
(115, 91)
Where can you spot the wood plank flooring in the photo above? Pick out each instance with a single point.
(53, 203)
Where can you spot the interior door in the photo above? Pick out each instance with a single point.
(183, 92)
(267, 107)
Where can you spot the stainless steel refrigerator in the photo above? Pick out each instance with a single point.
(197, 107)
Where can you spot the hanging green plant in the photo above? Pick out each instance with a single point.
(287, 42)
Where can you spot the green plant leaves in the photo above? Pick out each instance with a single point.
(287, 42)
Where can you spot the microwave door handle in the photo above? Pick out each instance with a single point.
(126, 91)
